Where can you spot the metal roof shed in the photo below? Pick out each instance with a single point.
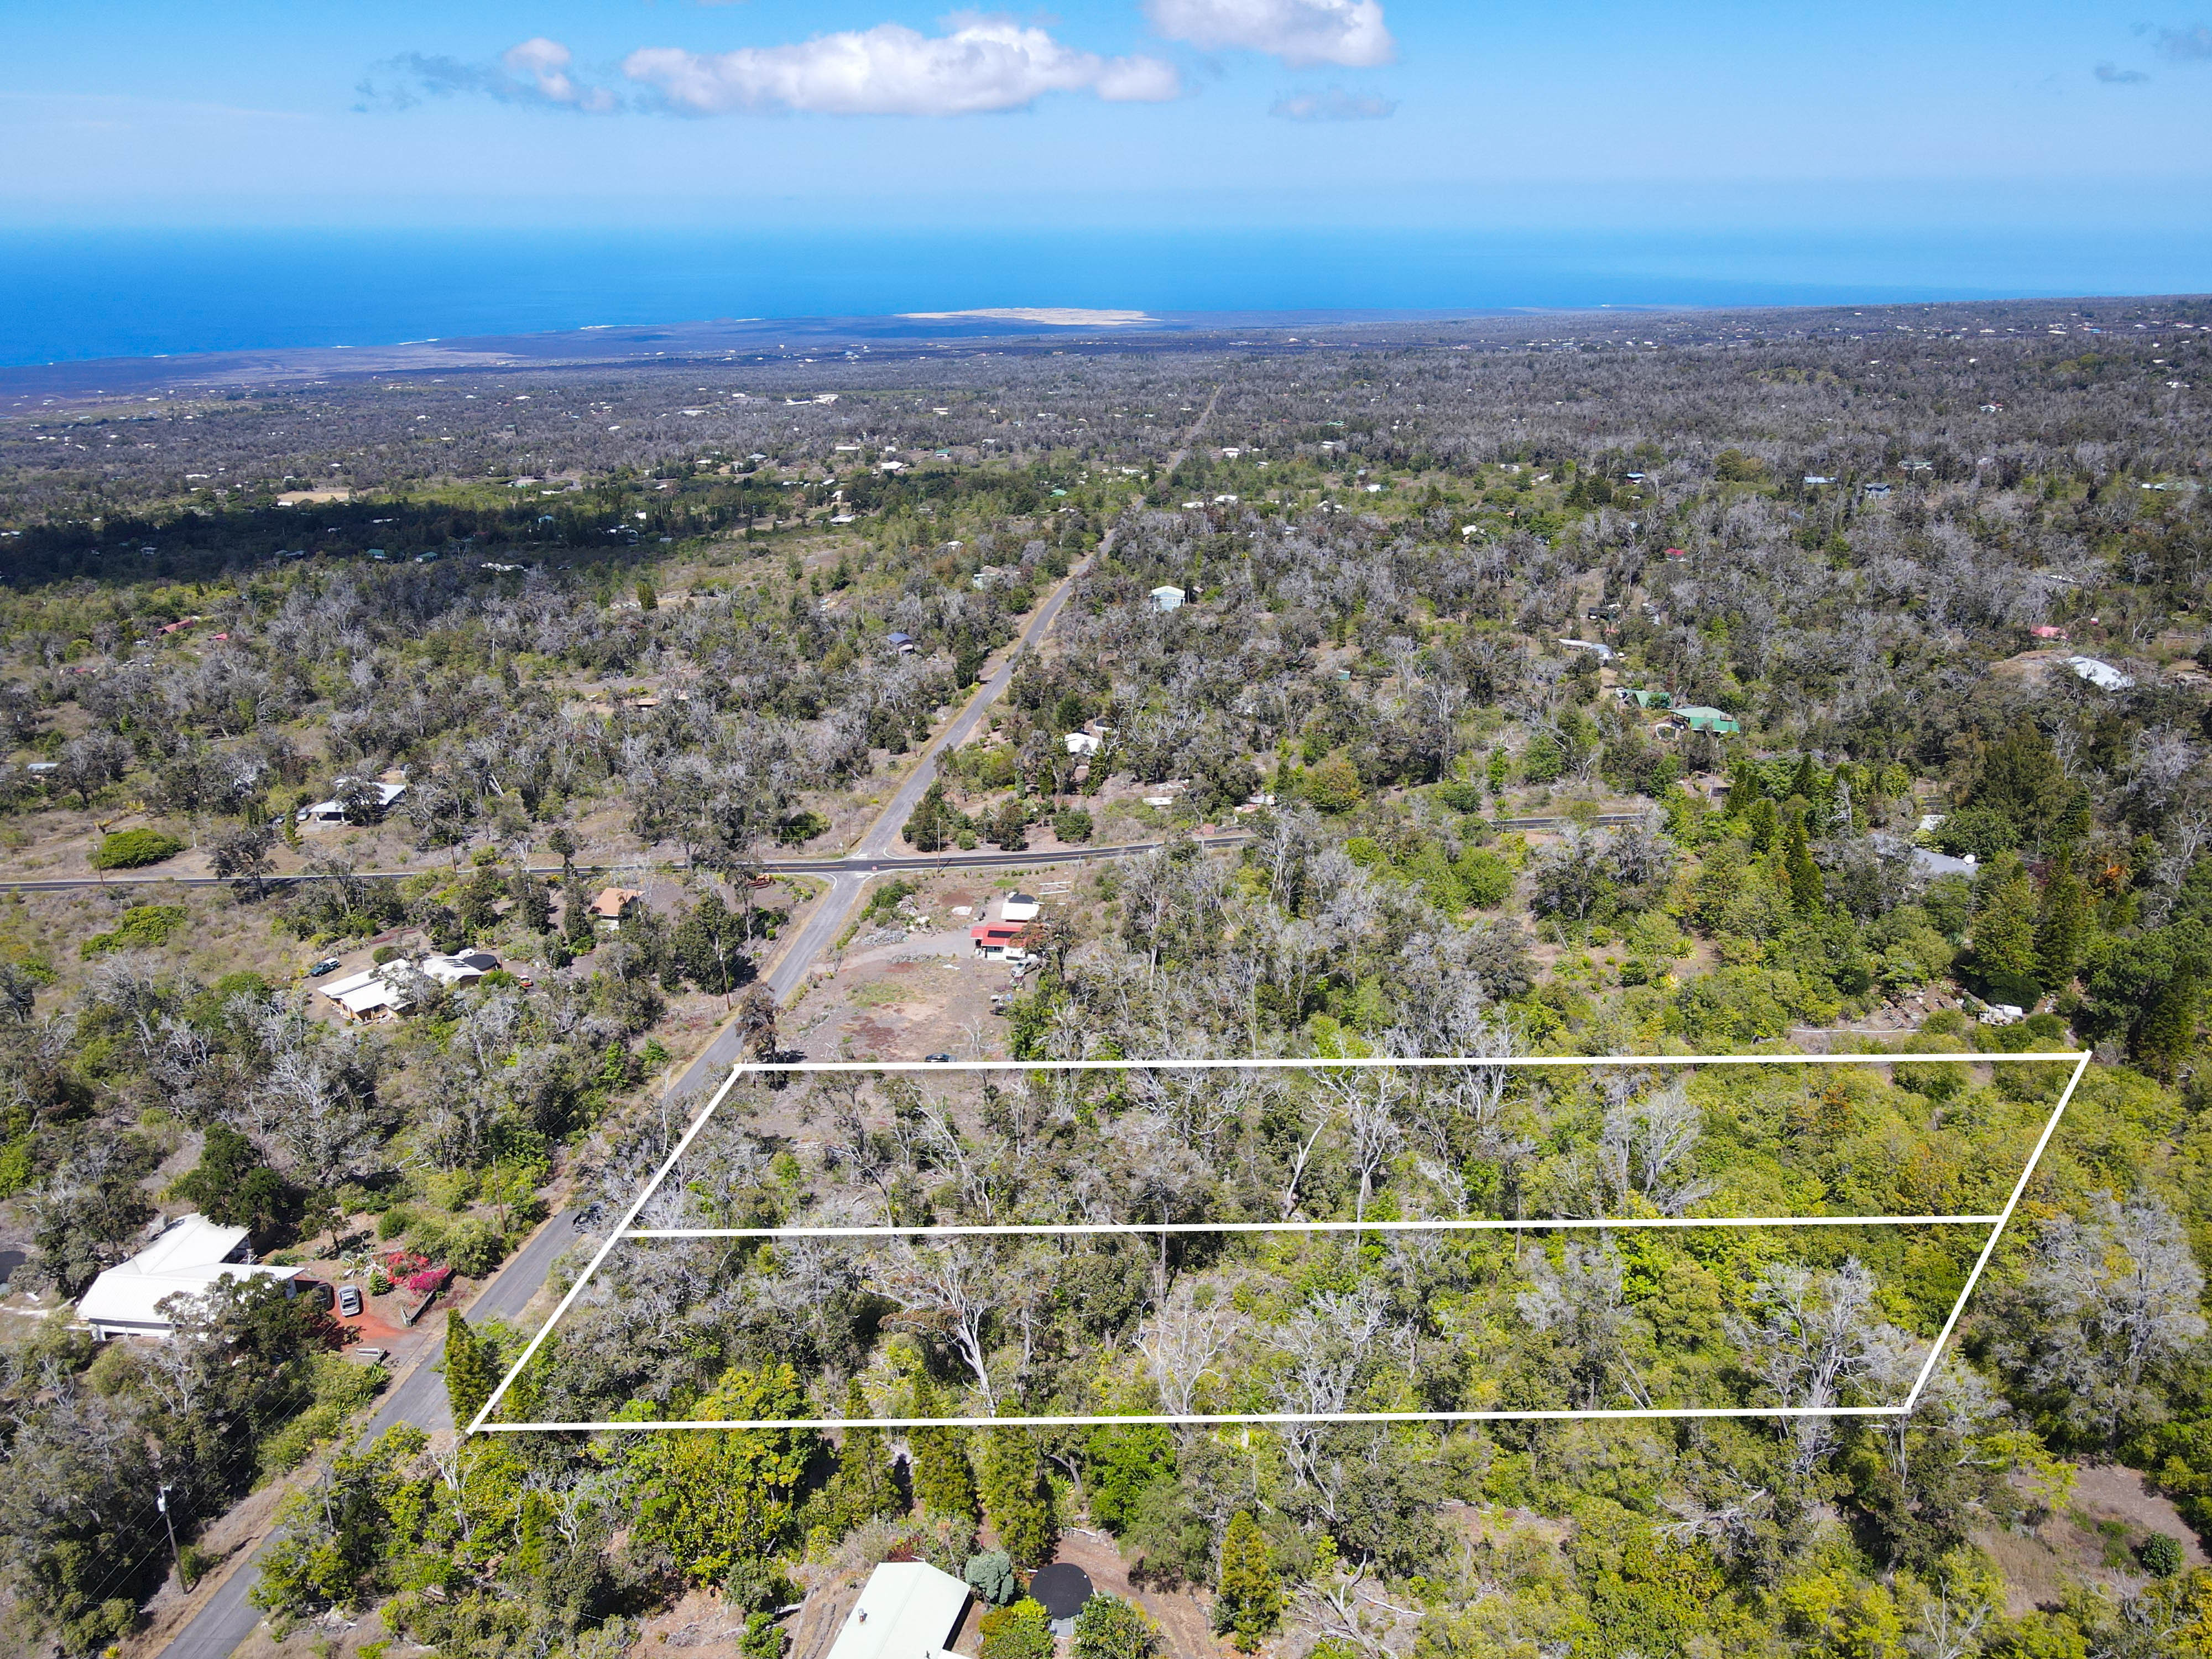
(907, 1610)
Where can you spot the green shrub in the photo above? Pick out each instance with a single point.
(394, 1221)
(341, 1389)
(143, 927)
(1461, 797)
(1073, 825)
(2161, 1556)
(1110, 1628)
(800, 828)
(133, 850)
(1020, 1631)
(474, 1248)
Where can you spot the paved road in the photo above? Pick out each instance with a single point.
(419, 1397)
(872, 853)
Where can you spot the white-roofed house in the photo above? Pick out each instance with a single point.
(907, 1610)
(1020, 907)
(1168, 598)
(374, 793)
(189, 1257)
(380, 991)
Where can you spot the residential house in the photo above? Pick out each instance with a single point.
(1170, 599)
(382, 992)
(188, 1256)
(1080, 743)
(1696, 717)
(1000, 941)
(907, 1610)
(903, 643)
(613, 904)
(1020, 907)
(333, 810)
(1603, 653)
(1641, 698)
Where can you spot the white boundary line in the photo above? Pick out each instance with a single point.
(626, 1231)
(1152, 1229)
(2019, 1186)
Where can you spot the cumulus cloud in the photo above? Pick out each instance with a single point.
(1349, 33)
(1332, 104)
(2192, 45)
(2112, 74)
(535, 72)
(983, 64)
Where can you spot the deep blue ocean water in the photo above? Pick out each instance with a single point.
(72, 295)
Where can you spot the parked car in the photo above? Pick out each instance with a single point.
(937, 1060)
(350, 1301)
(327, 965)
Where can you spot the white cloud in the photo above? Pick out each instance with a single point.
(982, 65)
(1332, 104)
(543, 64)
(1349, 33)
(534, 72)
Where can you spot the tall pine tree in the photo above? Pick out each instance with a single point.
(2061, 927)
(1806, 890)
(944, 1484)
(865, 1485)
(2004, 929)
(1249, 1600)
(1016, 1497)
(469, 1380)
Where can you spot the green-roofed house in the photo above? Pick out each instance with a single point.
(1644, 699)
(1698, 718)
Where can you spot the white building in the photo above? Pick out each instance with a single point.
(1169, 598)
(380, 991)
(189, 1257)
(1604, 652)
(333, 811)
(2102, 675)
(907, 1610)
(1020, 907)
(1081, 743)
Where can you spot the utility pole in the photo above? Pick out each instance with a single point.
(161, 1502)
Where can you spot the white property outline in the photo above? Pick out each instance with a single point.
(627, 1230)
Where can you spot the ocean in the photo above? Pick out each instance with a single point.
(72, 295)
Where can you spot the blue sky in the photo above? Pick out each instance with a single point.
(661, 113)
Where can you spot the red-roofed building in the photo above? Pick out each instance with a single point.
(1001, 941)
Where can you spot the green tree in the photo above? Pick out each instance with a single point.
(710, 943)
(575, 913)
(1016, 1496)
(2061, 927)
(1806, 890)
(1010, 825)
(1248, 1597)
(1110, 1628)
(336, 1542)
(2004, 928)
(1120, 1464)
(944, 1482)
(2165, 1036)
(863, 1487)
(233, 1184)
(930, 827)
(711, 1499)
(470, 1377)
(2022, 781)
